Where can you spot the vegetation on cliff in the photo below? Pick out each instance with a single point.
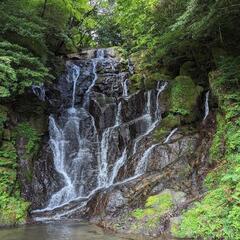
(218, 214)
(183, 40)
(191, 43)
(33, 34)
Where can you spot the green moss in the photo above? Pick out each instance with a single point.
(30, 134)
(217, 147)
(217, 215)
(155, 207)
(161, 202)
(168, 123)
(184, 94)
(138, 213)
(3, 113)
(137, 82)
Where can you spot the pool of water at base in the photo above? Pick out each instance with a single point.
(58, 231)
(62, 231)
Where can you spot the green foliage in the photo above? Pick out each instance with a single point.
(8, 151)
(19, 69)
(32, 137)
(31, 34)
(217, 147)
(217, 215)
(206, 218)
(13, 209)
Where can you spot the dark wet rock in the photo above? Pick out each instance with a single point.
(45, 179)
(176, 168)
(116, 200)
(163, 155)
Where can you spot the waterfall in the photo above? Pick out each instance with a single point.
(206, 106)
(90, 148)
(159, 90)
(103, 177)
(59, 145)
(87, 94)
(170, 135)
(125, 88)
(119, 163)
(118, 115)
(130, 67)
(100, 54)
(74, 74)
(148, 109)
(103, 168)
(151, 125)
(39, 91)
(142, 164)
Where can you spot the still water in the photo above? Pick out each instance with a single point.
(59, 231)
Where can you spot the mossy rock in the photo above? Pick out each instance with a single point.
(153, 78)
(137, 82)
(175, 222)
(13, 210)
(167, 124)
(184, 95)
(147, 219)
(136, 59)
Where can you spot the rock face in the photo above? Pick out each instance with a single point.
(100, 159)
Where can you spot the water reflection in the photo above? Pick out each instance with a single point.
(58, 231)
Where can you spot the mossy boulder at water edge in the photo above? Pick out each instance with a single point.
(148, 218)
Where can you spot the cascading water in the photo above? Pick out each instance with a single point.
(149, 120)
(125, 88)
(142, 164)
(170, 135)
(59, 144)
(206, 106)
(103, 178)
(88, 149)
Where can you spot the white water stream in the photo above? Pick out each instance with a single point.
(206, 106)
(77, 145)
